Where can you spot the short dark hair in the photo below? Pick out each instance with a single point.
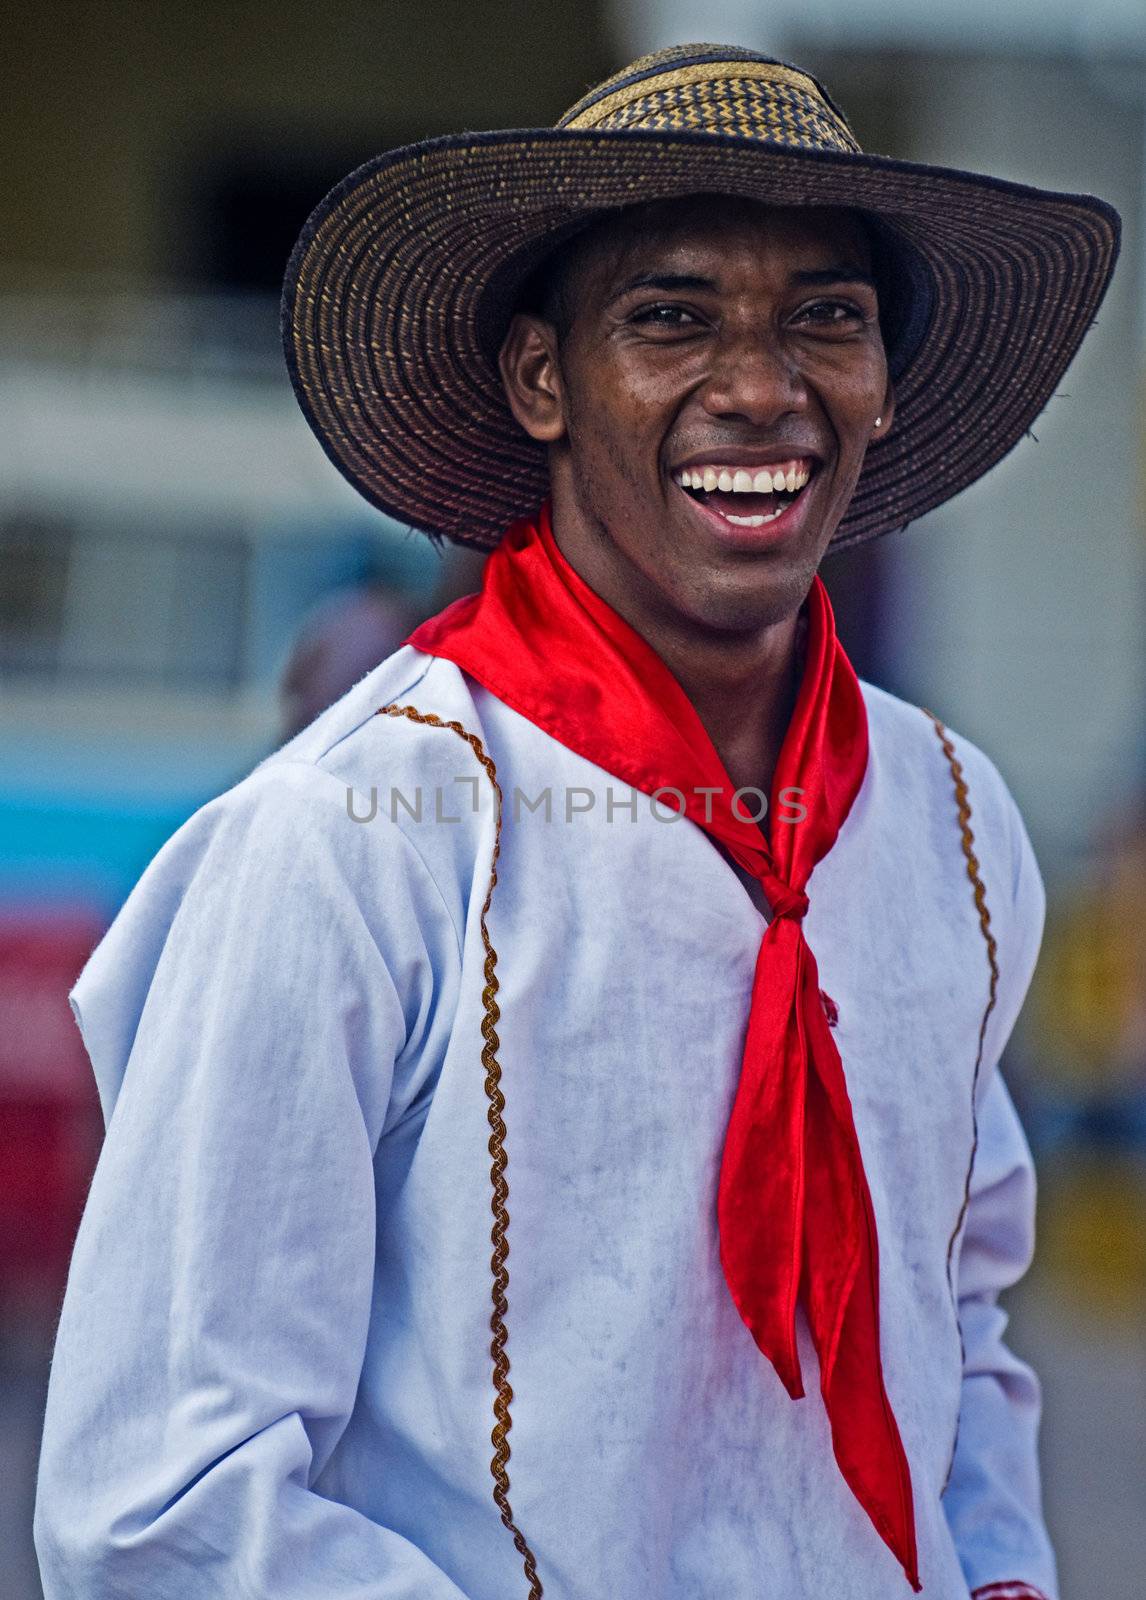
(546, 291)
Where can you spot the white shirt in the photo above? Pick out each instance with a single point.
(273, 1377)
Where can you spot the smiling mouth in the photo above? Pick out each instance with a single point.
(748, 497)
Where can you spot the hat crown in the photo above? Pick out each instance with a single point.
(718, 89)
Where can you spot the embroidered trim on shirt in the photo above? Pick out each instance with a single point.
(963, 809)
(499, 1236)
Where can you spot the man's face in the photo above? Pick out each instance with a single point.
(709, 343)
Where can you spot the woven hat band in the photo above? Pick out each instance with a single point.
(761, 100)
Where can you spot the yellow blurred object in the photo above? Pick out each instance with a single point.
(1092, 1232)
(1089, 999)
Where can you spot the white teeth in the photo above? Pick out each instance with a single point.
(754, 522)
(742, 481)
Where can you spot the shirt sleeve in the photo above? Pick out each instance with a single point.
(993, 1496)
(275, 975)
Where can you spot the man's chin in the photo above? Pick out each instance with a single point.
(740, 606)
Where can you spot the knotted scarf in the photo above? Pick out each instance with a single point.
(795, 1216)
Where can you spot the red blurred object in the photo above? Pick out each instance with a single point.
(50, 1123)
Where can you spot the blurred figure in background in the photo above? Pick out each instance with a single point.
(338, 643)
(351, 631)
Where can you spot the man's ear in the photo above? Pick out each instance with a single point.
(531, 377)
(887, 412)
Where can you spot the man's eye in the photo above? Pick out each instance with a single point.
(664, 316)
(833, 313)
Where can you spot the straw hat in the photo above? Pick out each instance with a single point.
(403, 281)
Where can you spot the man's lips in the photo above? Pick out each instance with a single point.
(747, 493)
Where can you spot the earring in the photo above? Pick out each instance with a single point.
(878, 421)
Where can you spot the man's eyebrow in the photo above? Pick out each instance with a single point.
(663, 280)
(835, 274)
(669, 282)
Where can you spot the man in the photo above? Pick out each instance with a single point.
(609, 923)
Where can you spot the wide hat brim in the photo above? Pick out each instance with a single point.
(401, 284)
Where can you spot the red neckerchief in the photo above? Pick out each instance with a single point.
(794, 1211)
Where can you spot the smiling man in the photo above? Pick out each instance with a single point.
(555, 1137)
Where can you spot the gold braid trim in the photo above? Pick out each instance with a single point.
(963, 809)
(499, 1235)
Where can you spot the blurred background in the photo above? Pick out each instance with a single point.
(184, 578)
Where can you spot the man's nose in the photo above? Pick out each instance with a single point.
(753, 376)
